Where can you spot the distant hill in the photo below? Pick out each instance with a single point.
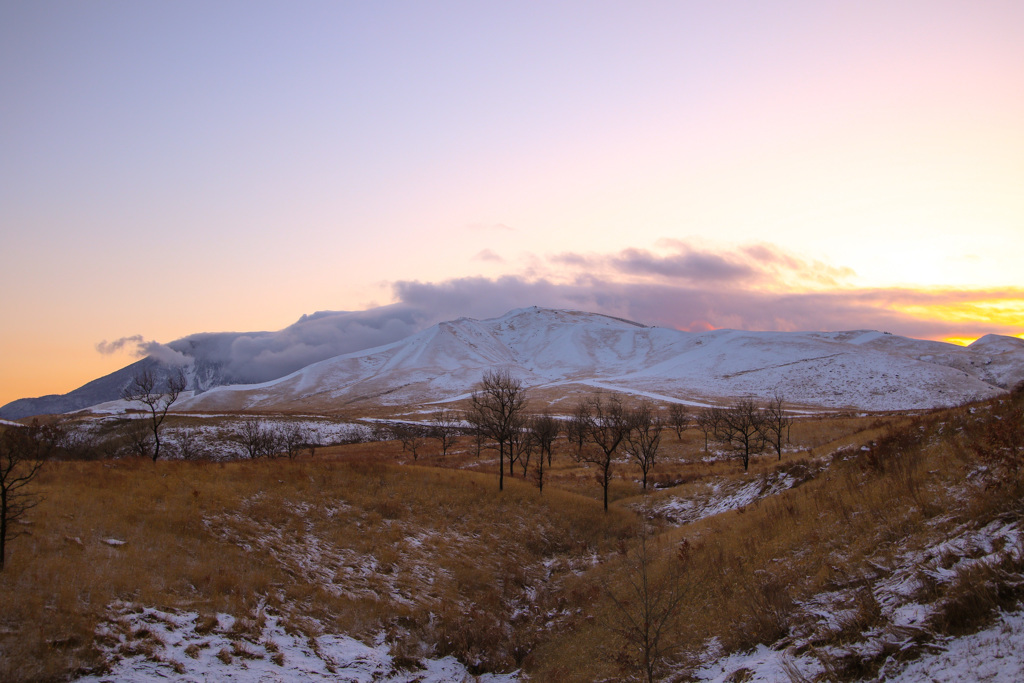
(555, 350)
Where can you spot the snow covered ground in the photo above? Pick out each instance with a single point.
(716, 497)
(154, 645)
(995, 653)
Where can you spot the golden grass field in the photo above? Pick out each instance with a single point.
(362, 540)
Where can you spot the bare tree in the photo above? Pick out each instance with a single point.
(649, 606)
(644, 437)
(496, 411)
(411, 436)
(678, 419)
(776, 423)
(574, 431)
(605, 424)
(143, 389)
(707, 422)
(292, 438)
(189, 443)
(22, 450)
(256, 438)
(444, 427)
(545, 430)
(134, 437)
(312, 442)
(523, 444)
(740, 426)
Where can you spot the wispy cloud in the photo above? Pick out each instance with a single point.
(139, 347)
(108, 348)
(489, 255)
(680, 263)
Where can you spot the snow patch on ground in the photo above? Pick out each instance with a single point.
(716, 497)
(145, 644)
(993, 654)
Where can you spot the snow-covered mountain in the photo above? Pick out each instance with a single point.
(566, 350)
(221, 358)
(556, 352)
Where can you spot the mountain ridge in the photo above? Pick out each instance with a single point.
(547, 348)
(862, 369)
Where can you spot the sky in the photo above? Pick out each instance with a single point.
(169, 168)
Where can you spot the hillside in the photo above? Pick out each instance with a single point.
(551, 349)
(329, 361)
(876, 548)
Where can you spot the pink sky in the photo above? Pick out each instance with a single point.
(173, 168)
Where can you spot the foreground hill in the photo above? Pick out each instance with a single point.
(550, 348)
(882, 547)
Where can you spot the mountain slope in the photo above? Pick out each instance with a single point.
(546, 348)
(224, 358)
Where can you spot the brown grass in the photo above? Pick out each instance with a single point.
(361, 540)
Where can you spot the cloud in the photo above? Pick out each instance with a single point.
(262, 356)
(697, 308)
(488, 255)
(163, 353)
(140, 348)
(108, 348)
(688, 289)
(687, 264)
(680, 262)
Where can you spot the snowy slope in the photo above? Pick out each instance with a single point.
(548, 348)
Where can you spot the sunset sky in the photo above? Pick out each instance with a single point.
(179, 167)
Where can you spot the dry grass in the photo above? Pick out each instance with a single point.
(361, 540)
(355, 547)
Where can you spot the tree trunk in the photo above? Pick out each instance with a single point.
(501, 466)
(3, 526)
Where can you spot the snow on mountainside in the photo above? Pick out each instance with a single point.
(547, 348)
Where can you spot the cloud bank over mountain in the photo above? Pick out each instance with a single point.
(755, 287)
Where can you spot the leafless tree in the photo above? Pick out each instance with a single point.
(143, 389)
(644, 437)
(22, 451)
(382, 431)
(292, 438)
(707, 422)
(496, 411)
(256, 438)
(574, 431)
(312, 442)
(134, 437)
(678, 419)
(412, 437)
(775, 427)
(523, 444)
(740, 426)
(189, 443)
(479, 439)
(604, 422)
(649, 606)
(444, 427)
(545, 430)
